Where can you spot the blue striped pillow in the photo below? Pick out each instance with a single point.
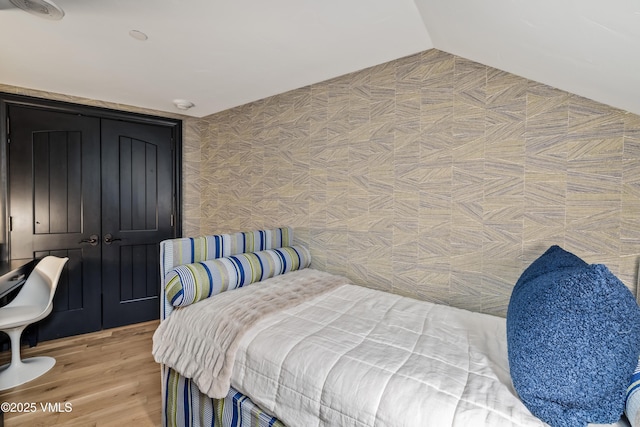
(189, 283)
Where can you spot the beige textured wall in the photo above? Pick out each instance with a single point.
(191, 177)
(431, 176)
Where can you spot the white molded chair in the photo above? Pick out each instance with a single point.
(33, 302)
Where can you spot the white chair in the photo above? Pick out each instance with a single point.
(33, 302)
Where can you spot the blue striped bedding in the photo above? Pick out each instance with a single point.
(183, 405)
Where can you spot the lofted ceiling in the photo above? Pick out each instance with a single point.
(220, 54)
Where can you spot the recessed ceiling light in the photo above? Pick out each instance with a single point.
(138, 35)
(183, 104)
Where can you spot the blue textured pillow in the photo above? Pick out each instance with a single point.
(573, 336)
(555, 258)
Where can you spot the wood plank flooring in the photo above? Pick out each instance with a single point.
(106, 378)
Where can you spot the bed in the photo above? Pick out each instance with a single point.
(250, 335)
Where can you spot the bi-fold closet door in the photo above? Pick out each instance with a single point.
(100, 191)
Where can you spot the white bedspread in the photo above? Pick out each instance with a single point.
(360, 357)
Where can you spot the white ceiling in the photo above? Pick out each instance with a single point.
(220, 54)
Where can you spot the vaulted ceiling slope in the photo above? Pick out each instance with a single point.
(219, 54)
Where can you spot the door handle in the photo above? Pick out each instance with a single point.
(108, 239)
(92, 240)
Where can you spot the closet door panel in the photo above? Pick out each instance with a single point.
(137, 207)
(54, 204)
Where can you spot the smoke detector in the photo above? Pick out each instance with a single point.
(42, 8)
(183, 104)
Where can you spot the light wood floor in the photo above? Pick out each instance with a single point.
(109, 378)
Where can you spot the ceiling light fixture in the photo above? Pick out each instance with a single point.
(183, 104)
(138, 35)
(42, 8)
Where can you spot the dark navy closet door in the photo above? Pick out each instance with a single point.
(101, 192)
(136, 216)
(54, 207)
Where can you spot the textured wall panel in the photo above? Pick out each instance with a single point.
(430, 176)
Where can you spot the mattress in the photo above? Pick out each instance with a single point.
(361, 357)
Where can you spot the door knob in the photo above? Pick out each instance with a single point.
(108, 239)
(92, 240)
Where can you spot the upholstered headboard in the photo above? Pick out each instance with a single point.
(187, 250)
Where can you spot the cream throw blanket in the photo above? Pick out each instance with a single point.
(200, 341)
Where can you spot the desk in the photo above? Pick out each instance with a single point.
(13, 273)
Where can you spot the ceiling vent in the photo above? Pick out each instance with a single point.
(42, 8)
